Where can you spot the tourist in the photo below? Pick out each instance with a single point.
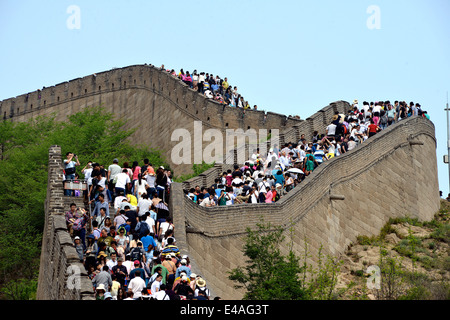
(70, 169)
(122, 181)
(136, 285)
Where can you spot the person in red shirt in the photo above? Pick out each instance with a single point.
(373, 128)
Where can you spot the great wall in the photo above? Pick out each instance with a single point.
(394, 174)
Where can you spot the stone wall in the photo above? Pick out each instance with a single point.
(393, 174)
(61, 274)
(151, 101)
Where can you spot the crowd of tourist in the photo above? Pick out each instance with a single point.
(126, 240)
(266, 178)
(212, 87)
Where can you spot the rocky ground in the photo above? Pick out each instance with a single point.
(412, 257)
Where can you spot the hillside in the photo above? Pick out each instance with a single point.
(415, 262)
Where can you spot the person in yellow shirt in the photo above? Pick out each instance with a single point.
(115, 286)
(132, 200)
(225, 84)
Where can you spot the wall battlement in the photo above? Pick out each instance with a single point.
(155, 103)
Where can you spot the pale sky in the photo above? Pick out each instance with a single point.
(288, 57)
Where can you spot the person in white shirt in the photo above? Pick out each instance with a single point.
(254, 156)
(230, 197)
(128, 263)
(376, 109)
(165, 225)
(113, 170)
(136, 285)
(118, 200)
(355, 134)
(263, 185)
(112, 262)
(337, 150)
(143, 205)
(140, 187)
(351, 144)
(208, 201)
(161, 294)
(236, 181)
(301, 153)
(201, 286)
(366, 109)
(256, 173)
(155, 287)
(102, 184)
(208, 94)
(254, 195)
(87, 171)
(151, 222)
(331, 130)
(284, 161)
(122, 180)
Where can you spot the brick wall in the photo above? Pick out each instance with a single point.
(61, 275)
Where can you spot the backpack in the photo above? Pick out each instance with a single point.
(143, 229)
(341, 128)
(261, 195)
(136, 254)
(203, 290)
(276, 197)
(222, 201)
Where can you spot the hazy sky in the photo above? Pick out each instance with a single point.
(289, 57)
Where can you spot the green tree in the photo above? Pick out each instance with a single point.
(268, 275)
(93, 134)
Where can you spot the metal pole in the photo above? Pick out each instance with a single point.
(448, 145)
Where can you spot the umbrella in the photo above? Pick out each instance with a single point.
(295, 170)
(162, 210)
(161, 205)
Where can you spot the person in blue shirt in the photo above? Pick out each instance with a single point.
(101, 203)
(184, 268)
(137, 266)
(279, 178)
(149, 244)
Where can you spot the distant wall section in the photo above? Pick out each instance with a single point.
(149, 99)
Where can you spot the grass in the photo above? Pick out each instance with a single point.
(442, 233)
(430, 253)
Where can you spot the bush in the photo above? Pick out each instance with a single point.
(442, 233)
(268, 275)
